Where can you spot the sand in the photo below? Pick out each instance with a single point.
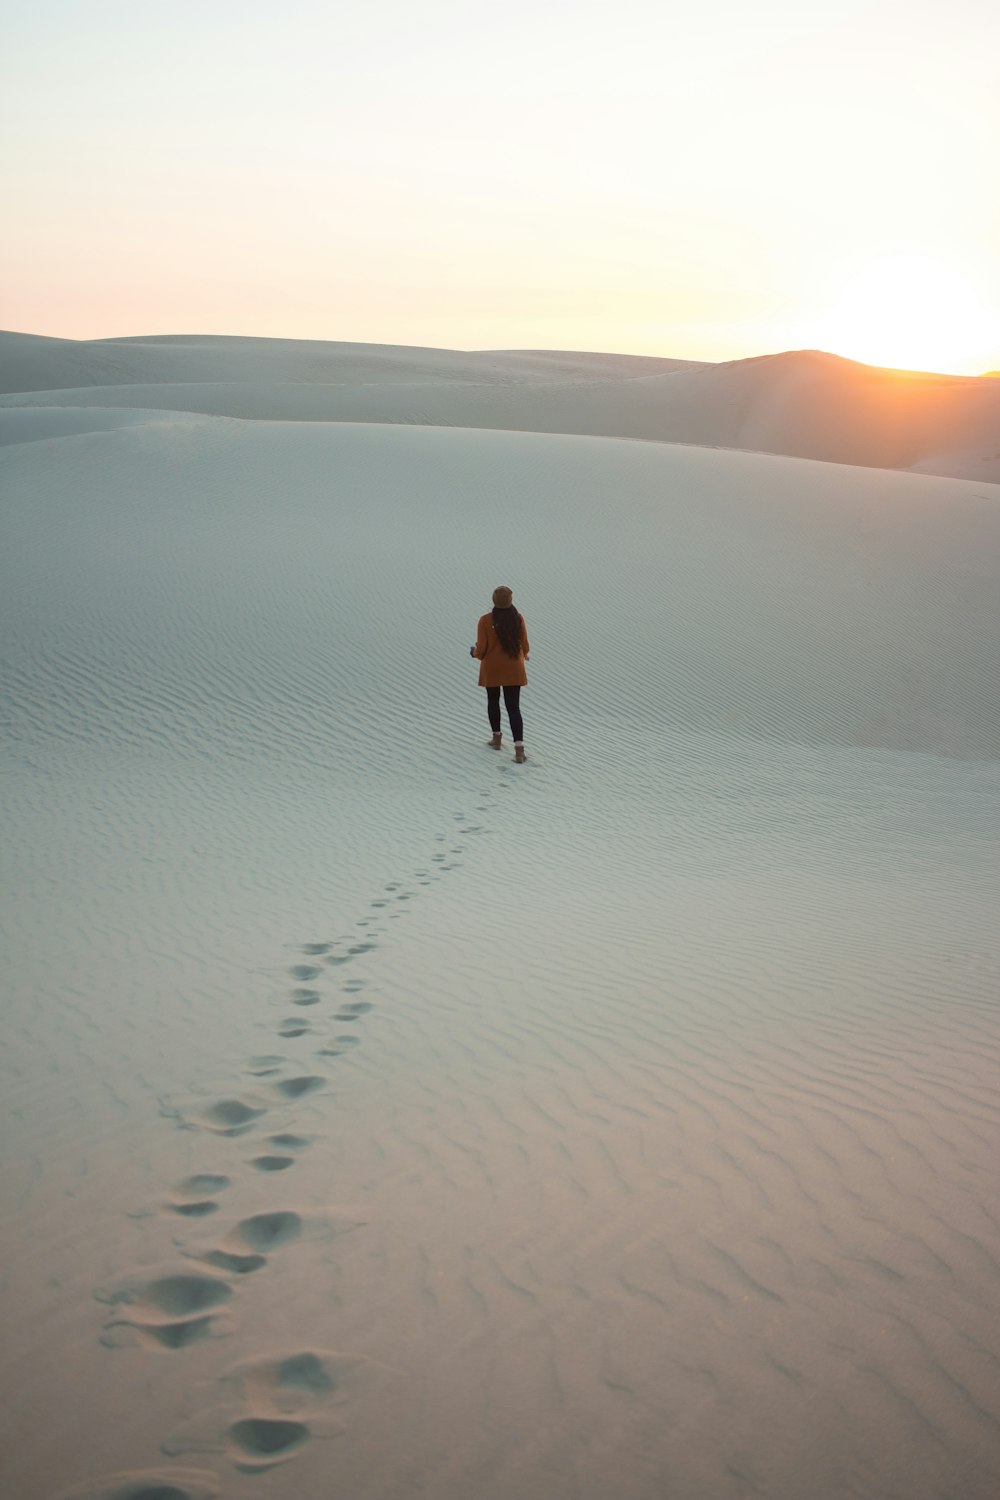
(381, 1118)
(803, 404)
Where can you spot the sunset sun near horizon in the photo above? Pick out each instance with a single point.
(708, 185)
(909, 311)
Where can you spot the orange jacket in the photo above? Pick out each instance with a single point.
(496, 668)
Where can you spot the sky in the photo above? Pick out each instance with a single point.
(709, 180)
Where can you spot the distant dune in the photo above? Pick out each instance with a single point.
(803, 404)
(28, 362)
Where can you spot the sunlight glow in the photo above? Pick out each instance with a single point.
(906, 311)
(708, 182)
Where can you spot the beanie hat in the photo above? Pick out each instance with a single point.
(502, 597)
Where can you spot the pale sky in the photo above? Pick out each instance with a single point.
(708, 180)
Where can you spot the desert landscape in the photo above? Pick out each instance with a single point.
(382, 1118)
(805, 404)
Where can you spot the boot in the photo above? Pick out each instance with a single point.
(519, 755)
(496, 741)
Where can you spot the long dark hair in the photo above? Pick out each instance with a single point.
(507, 624)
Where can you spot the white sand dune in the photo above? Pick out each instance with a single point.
(384, 1119)
(29, 363)
(805, 404)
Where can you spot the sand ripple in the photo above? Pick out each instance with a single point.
(622, 1123)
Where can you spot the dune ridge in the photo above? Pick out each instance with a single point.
(803, 404)
(31, 363)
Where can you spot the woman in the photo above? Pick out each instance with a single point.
(502, 650)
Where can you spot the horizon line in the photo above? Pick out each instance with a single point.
(519, 349)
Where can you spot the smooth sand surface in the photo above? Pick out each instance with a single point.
(384, 1119)
(805, 404)
(30, 363)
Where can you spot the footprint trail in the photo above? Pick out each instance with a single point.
(269, 1408)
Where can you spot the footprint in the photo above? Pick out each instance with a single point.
(304, 972)
(295, 1382)
(229, 1116)
(306, 1371)
(261, 1442)
(354, 1008)
(170, 1310)
(306, 997)
(204, 1182)
(272, 1163)
(264, 1066)
(192, 1197)
(148, 1484)
(247, 1246)
(347, 1040)
(361, 948)
(253, 1443)
(293, 1026)
(297, 1088)
(287, 1142)
(266, 1232)
(315, 949)
(270, 1407)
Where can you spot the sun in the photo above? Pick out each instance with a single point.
(908, 311)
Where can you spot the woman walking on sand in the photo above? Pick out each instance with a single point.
(502, 650)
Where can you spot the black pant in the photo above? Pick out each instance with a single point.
(512, 703)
